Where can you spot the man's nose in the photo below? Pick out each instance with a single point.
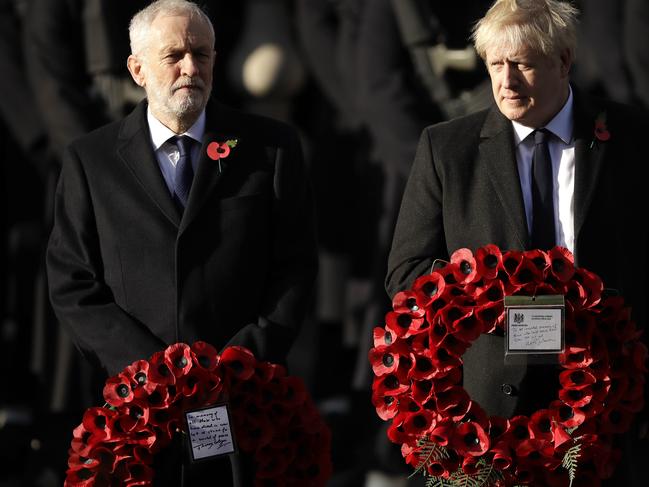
(510, 75)
(188, 66)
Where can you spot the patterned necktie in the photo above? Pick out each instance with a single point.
(543, 234)
(184, 171)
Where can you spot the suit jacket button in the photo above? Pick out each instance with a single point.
(508, 389)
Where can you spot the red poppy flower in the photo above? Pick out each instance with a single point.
(398, 434)
(444, 381)
(178, 358)
(491, 316)
(387, 407)
(464, 265)
(567, 415)
(159, 371)
(470, 465)
(442, 432)
(467, 328)
(428, 288)
(540, 259)
(117, 390)
(576, 379)
(382, 337)
(422, 368)
(519, 428)
(216, 150)
(592, 284)
(575, 358)
(601, 132)
(96, 422)
(391, 384)
(511, 261)
(497, 426)
(454, 403)
(492, 292)
(238, 362)
(540, 425)
(403, 324)
(576, 397)
(616, 419)
(408, 302)
(526, 272)
(134, 473)
(385, 359)
(562, 264)
(138, 374)
(502, 456)
(206, 355)
(538, 452)
(470, 439)
(419, 422)
(488, 261)
(446, 356)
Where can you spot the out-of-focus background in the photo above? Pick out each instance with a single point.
(359, 79)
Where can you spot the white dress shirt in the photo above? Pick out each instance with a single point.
(562, 153)
(166, 152)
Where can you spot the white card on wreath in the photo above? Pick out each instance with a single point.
(535, 324)
(209, 431)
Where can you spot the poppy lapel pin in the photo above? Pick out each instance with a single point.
(220, 150)
(601, 132)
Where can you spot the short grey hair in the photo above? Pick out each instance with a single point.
(545, 26)
(140, 24)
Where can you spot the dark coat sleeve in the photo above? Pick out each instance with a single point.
(104, 332)
(419, 236)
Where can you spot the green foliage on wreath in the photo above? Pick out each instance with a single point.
(570, 461)
(430, 451)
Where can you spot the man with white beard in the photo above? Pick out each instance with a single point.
(184, 221)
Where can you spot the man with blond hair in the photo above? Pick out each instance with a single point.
(530, 172)
(184, 221)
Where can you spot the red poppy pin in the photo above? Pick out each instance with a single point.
(601, 131)
(220, 150)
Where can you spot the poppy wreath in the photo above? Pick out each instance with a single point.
(417, 360)
(273, 418)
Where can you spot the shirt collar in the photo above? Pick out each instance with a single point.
(161, 133)
(561, 125)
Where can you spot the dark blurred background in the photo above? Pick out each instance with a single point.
(359, 79)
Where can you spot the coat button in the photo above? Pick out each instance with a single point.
(508, 389)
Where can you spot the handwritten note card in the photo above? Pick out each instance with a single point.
(534, 329)
(209, 432)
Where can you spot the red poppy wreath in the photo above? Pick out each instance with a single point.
(273, 418)
(417, 359)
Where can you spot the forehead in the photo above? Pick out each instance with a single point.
(180, 31)
(501, 52)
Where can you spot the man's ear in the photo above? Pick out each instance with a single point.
(566, 57)
(134, 65)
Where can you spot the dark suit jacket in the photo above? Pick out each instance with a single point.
(464, 191)
(129, 274)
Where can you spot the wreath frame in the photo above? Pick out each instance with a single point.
(273, 418)
(417, 359)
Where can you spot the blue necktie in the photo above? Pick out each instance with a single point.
(543, 235)
(184, 171)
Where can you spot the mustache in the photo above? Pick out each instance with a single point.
(188, 83)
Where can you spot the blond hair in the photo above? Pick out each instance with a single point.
(545, 26)
(140, 24)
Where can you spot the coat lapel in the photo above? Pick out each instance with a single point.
(210, 172)
(589, 157)
(498, 155)
(134, 148)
